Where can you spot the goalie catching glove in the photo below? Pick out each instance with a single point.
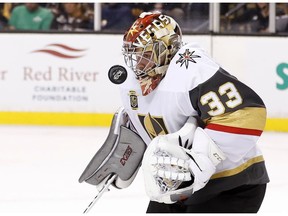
(178, 164)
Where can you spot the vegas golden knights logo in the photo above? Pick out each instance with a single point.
(133, 100)
(153, 125)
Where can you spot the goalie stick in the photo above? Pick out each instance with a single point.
(105, 187)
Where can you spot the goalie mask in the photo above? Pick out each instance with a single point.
(148, 47)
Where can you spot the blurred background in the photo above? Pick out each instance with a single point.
(237, 18)
(56, 55)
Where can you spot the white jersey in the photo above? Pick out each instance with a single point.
(233, 115)
(166, 109)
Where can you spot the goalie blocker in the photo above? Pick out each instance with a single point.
(120, 155)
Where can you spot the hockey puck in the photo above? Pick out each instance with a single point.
(117, 74)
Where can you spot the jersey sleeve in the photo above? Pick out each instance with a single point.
(233, 114)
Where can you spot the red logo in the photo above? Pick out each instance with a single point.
(126, 155)
(62, 51)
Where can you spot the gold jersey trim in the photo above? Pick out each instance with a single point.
(249, 117)
(238, 169)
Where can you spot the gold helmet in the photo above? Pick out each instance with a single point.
(150, 44)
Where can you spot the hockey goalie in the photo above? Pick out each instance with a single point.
(192, 127)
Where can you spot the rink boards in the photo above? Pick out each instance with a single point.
(61, 79)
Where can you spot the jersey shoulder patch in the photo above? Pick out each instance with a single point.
(190, 67)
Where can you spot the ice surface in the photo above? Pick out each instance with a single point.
(40, 167)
